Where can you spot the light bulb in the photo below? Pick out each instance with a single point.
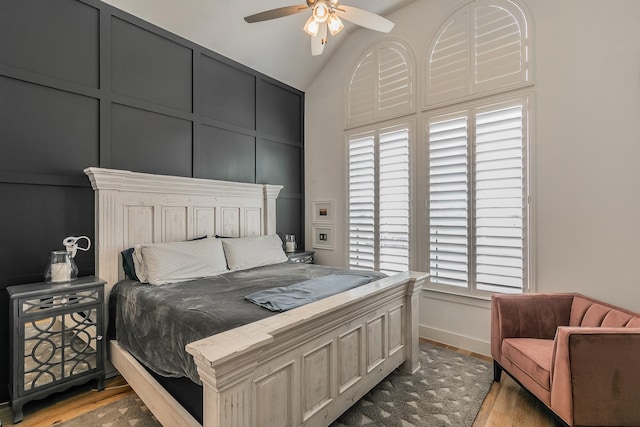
(311, 27)
(321, 11)
(335, 24)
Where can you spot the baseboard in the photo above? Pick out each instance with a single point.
(446, 337)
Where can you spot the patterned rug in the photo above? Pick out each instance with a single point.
(448, 390)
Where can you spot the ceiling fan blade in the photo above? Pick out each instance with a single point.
(318, 41)
(276, 13)
(364, 18)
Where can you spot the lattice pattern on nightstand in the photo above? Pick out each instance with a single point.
(59, 347)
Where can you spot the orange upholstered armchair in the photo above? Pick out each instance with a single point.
(579, 356)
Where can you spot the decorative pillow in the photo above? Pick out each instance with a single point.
(129, 262)
(128, 265)
(248, 252)
(138, 263)
(180, 261)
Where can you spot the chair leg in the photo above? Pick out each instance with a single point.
(497, 371)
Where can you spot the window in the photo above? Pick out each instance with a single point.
(475, 104)
(476, 139)
(478, 197)
(379, 199)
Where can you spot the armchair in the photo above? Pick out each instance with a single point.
(579, 356)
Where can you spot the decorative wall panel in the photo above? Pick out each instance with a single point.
(145, 141)
(36, 36)
(239, 162)
(147, 66)
(85, 84)
(46, 131)
(279, 112)
(227, 94)
(279, 163)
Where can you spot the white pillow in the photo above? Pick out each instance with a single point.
(138, 264)
(248, 252)
(179, 261)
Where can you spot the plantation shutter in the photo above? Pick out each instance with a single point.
(381, 85)
(481, 48)
(379, 199)
(395, 80)
(500, 198)
(448, 202)
(362, 202)
(361, 91)
(448, 65)
(478, 242)
(394, 201)
(500, 46)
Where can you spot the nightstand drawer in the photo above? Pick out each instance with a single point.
(64, 300)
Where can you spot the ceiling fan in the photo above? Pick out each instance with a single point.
(325, 16)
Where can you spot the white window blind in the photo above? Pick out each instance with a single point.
(394, 201)
(379, 200)
(500, 200)
(449, 202)
(362, 202)
(478, 242)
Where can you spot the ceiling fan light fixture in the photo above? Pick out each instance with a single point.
(311, 26)
(335, 24)
(326, 17)
(321, 11)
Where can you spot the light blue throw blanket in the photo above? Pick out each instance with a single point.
(292, 296)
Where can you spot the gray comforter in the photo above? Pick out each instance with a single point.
(155, 323)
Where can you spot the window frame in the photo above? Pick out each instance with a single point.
(375, 129)
(524, 97)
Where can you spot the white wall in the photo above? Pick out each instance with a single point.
(586, 150)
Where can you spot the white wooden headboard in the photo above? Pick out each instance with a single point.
(133, 208)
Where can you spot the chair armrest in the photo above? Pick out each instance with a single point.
(527, 316)
(595, 376)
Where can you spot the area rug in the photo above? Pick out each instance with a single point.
(448, 390)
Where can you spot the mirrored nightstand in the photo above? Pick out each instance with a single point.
(56, 343)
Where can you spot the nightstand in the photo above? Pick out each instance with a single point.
(305, 257)
(56, 338)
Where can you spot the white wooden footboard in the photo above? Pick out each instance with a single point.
(308, 365)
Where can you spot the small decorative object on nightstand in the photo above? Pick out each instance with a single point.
(305, 257)
(56, 338)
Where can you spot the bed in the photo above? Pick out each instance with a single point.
(304, 366)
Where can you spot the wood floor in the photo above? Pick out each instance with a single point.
(506, 404)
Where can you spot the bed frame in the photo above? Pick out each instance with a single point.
(302, 367)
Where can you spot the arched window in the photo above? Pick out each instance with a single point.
(480, 49)
(381, 85)
(477, 124)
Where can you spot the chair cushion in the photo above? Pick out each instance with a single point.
(532, 356)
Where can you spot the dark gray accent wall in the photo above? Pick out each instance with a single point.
(85, 84)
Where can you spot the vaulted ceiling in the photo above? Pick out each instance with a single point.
(278, 48)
